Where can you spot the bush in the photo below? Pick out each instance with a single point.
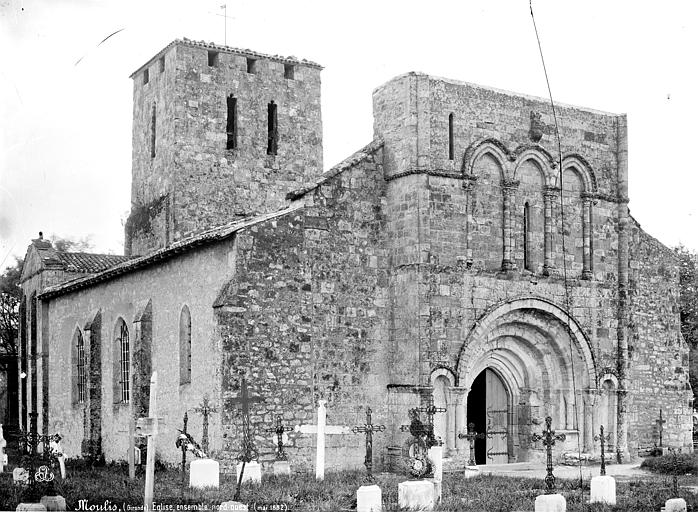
(664, 464)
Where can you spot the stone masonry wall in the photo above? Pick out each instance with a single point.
(306, 317)
(658, 352)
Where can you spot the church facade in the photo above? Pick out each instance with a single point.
(451, 261)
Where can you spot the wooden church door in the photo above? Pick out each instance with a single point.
(497, 419)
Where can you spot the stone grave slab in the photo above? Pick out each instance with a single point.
(369, 499)
(30, 506)
(253, 472)
(551, 503)
(53, 502)
(471, 471)
(436, 456)
(280, 468)
(675, 505)
(204, 473)
(416, 495)
(603, 490)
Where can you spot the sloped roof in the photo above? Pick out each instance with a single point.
(89, 262)
(201, 239)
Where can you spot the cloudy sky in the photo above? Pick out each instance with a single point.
(65, 99)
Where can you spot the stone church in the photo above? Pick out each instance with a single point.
(457, 259)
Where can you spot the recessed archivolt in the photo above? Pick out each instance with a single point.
(531, 318)
(531, 155)
(482, 147)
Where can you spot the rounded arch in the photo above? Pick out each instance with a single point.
(489, 320)
(583, 168)
(492, 147)
(540, 163)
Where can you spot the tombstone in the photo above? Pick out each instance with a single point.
(53, 503)
(603, 490)
(20, 476)
(204, 473)
(551, 503)
(675, 505)
(435, 454)
(321, 429)
(416, 495)
(369, 499)
(252, 472)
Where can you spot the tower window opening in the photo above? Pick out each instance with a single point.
(272, 129)
(450, 137)
(232, 123)
(146, 76)
(251, 65)
(526, 237)
(162, 64)
(288, 71)
(152, 133)
(213, 59)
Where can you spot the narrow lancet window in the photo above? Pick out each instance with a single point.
(152, 133)
(232, 123)
(124, 362)
(81, 364)
(526, 237)
(272, 129)
(185, 346)
(450, 137)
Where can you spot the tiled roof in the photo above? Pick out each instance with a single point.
(89, 262)
(229, 49)
(205, 238)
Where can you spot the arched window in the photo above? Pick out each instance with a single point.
(185, 346)
(123, 373)
(80, 367)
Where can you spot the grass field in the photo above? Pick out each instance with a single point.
(108, 489)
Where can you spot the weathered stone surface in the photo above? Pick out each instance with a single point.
(416, 495)
(603, 490)
(551, 503)
(369, 498)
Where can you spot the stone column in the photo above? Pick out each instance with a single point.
(468, 184)
(586, 234)
(459, 397)
(508, 190)
(548, 263)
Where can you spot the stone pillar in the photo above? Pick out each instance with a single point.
(459, 397)
(508, 189)
(468, 184)
(586, 234)
(548, 262)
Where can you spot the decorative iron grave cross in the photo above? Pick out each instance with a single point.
(248, 452)
(368, 428)
(279, 430)
(424, 438)
(29, 443)
(603, 438)
(185, 442)
(205, 409)
(549, 437)
(471, 436)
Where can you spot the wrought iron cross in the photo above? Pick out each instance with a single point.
(660, 427)
(420, 466)
(181, 443)
(675, 471)
(471, 436)
(205, 409)
(368, 428)
(29, 442)
(603, 438)
(430, 410)
(279, 430)
(549, 437)
(249, 451)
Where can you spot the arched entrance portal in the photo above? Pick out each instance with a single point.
(488, 409)
(523, 360)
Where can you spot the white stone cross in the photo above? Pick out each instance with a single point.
(3, 443)
(149, 427)
(321, 429)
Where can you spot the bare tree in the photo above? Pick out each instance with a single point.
(10, 295)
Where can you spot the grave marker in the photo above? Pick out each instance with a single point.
(369, 497)
(249, 451)
(321, 429)
(148, 427)
(603, 488)
(3, 456)
(205, 409)
(471, 436)
(549, 502)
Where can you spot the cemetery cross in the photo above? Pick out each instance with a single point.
(279, 430)
(471, 436)
(430, 410)
(183, 446)
(205, 409)
(660, 427)
(148, 427)
(421, 433)
(368, 428)
(549, 437)
(603, 438)
(674, 471)
(249, 451)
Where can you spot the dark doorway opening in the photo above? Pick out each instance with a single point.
(477, 405)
